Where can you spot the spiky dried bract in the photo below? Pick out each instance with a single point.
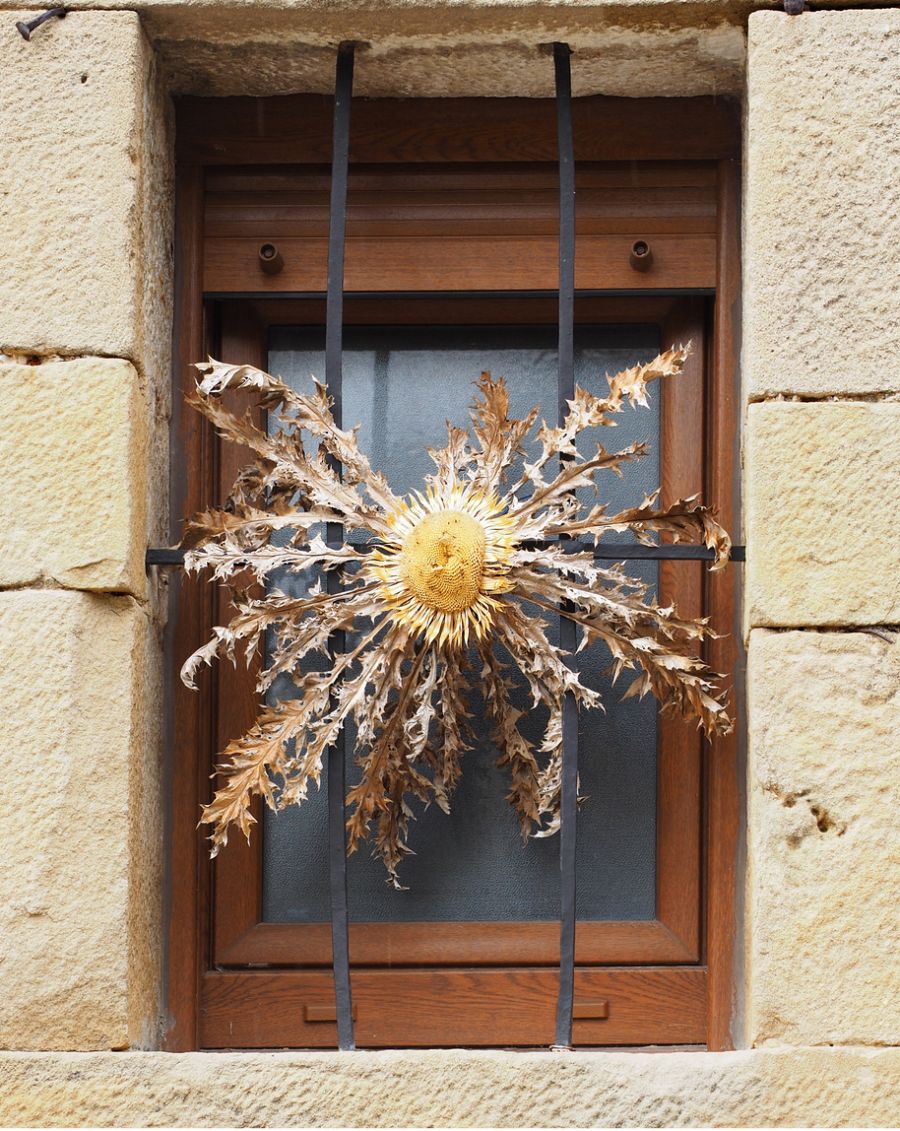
(445, 571)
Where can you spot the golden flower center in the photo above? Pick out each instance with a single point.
(443, 560)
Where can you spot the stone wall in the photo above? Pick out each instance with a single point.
(821, 486)
(85, 330)
(85, 320)
(456, 1088)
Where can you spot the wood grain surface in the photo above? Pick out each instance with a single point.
(263, 1009)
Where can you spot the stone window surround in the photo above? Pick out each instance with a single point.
(820, 627)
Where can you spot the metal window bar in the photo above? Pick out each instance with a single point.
(164, 556)
(334, 317)
(169, 556)
(568, 825)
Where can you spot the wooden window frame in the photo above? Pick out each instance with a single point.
(677, 954)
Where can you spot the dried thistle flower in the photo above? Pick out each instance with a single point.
(444, 572)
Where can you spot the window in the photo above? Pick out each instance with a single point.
(451, 265)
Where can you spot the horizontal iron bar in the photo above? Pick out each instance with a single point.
(164, 556)
(610, 553)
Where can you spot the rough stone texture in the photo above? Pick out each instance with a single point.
(80, 883)
(155, 279)
(433, 48)
(71, 125)
(453, 1088)
(450, 48)
(824, 715)
(74, 453)
(85, 213)
(822, 203)
(822, 495)
(490, 57)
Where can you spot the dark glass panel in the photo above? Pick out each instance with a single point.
(401, 384)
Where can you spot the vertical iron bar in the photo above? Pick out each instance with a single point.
(567, 634)
(334, 316)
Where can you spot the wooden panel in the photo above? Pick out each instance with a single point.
(724, 767)
(414, 200)
(531, 180)
(189, 715)
(263, 1009)
(678, 812)
(429, 229)
(463, 262)
(502, 310)
(297, 128)
(455, 944)
(237, 869)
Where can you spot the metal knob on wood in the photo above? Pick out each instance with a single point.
(641, 255)
(270, 259)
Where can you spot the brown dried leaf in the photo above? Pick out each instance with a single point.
(400, 684)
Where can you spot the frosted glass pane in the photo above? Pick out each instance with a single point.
(401, 384)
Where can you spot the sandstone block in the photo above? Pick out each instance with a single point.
(454, 51)
(73, 511)
(822, 495)
(824, 850)
(71, 123)
(641, 48)
(79, 886)
(822, 164)
(466, 1088)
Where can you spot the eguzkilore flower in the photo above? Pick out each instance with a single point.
(430, 594)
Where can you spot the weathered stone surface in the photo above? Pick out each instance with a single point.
(80, 882)
(822, 495)
(453, 1088)
(74, 455)
(86, 207)
(822, 158)
(155, 279)
(70, 127)
(673, 13)
(824, 849)
(484, 54)
(443, 48)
